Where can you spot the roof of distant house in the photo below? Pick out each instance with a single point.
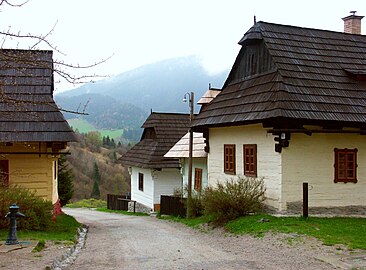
(181, 148)
(161, 132)
(313, 76)
(27, 109)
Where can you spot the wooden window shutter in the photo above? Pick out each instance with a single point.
(198, 179)
(4, 172)
(345, 165)
(229, 159)
(250, 159)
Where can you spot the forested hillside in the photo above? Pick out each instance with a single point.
(91, 152)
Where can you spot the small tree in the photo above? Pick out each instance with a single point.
(95, 191)
(96, 174)
(65, 181)
(97, 178)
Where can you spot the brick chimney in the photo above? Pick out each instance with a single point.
(352, 23)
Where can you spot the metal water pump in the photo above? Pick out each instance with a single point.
(12, 215)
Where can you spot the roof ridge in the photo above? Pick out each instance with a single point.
(309, 28)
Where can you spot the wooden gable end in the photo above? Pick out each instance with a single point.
(253, 59)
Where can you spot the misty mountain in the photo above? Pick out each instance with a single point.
(159, 86)
(124, 101)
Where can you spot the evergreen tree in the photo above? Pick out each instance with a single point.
(96, 174)
(95, 191)
(113, 143)
(96, 177)
(108, 141)
(65, 181)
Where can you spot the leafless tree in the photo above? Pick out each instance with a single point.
(11, 59)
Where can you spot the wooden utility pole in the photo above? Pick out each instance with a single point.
(189, 199)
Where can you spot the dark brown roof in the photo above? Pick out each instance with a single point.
(161, 132)
(27, 109)
(307, 75)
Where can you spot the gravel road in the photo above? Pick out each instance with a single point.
(130, 242)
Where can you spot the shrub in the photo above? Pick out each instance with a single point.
(196, 201)
(38, 211)
(233, 199)
(196, 204)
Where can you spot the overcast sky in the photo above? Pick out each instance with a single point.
(138, 32)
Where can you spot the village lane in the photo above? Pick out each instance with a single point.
(132, 242)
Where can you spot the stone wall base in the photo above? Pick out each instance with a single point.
(351, 210)
(138, 207)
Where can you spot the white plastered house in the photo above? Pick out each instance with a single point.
(152, 175)
(293, 110)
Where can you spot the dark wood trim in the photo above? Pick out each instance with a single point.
(35, 153)
(231, 159)
(4, 172)
(337, 164)
(252, 173)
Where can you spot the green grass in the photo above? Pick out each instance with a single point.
(40, 246)
(84, 127)
(331, 231)
(192, 222)
(113, 134)
(64, 229)
(88, 203)
(104, 209)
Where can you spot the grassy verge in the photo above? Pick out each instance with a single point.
(104, 209)
(88, 203)
(331, 231)
(334, 230)
(192, 222)
(64, 229)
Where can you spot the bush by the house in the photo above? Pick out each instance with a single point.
(233, 198)
(196, 204)
(38, 211)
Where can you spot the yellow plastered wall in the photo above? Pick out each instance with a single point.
(311, 159)
(32, 171)
(268, 161)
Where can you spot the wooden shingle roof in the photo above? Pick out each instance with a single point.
(311, 76)
(181, 148)
(27, 109)
(161, 132)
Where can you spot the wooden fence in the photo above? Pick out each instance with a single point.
(118, 202)
(172, 205)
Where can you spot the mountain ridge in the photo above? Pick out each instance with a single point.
(124, 100)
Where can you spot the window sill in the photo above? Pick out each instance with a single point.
(345, 181)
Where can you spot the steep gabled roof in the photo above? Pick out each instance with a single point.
(314, 76)
(27, 109)
(161, 132)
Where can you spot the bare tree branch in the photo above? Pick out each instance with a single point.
(65, 71)
(7, 2)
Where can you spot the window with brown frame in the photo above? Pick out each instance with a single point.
(197, 179)
(4, 172)
(345, 165)
(229, 159)
(250, 159)
(141, 181)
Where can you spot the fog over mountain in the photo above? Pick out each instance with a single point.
(126, 99)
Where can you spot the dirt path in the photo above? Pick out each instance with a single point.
(129, 242)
